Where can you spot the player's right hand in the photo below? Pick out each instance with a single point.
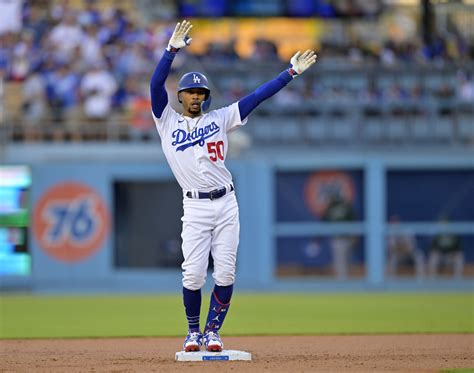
(180, 37)
(301, 62)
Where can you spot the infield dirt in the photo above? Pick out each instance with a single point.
(362, 353)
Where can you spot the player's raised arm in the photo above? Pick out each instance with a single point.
(299, 63)
(178, 40)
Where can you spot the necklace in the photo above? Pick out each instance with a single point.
(187, 123)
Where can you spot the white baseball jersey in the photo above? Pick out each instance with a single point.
(196, 148)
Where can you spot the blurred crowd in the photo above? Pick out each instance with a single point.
(376, 96)
(89, 64)
(78, 64)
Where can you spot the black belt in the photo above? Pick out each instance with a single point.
(213, 194)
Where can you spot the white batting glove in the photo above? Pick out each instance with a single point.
(180, 37)
(301, 62)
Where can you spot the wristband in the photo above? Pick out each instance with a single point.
(292, 72)
(172, 49)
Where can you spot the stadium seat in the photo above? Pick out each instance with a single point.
(372, 128)
(272, 130)
(315, 129)
(343, 128)
(355, 82)
(420, 129)
(289, 130)
(443, 129)
(262, 129)
(435, 80)
(465, 128)
(397, 129)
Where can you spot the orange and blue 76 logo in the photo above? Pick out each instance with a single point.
(70, 220)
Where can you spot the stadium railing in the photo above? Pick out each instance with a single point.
(319, 118)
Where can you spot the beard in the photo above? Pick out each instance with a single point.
(195, 109)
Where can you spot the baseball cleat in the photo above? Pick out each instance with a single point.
(212, 342)
(193, 342)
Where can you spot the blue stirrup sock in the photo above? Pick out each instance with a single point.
(192, 307)
(220, 303)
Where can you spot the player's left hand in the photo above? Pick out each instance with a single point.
(301, 62)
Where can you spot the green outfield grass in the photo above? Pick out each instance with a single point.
(250, 314)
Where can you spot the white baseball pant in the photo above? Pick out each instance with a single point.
(210, 226)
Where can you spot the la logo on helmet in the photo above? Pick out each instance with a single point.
(196, 79)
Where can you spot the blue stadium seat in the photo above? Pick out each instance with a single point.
(343, 128)
(372, 128)
(276, 130)
(355, 82)
(397, 129)
(465, 128)
(315, 129)
(289, 130)
(263, 129)
(420, 129)
(443, 129)
(436, 80)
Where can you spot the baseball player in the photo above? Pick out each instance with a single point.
(195, 145)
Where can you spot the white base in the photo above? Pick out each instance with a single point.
(225, 355)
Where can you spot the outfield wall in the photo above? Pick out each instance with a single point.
(106, 217)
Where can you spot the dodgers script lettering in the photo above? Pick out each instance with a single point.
(195, 137)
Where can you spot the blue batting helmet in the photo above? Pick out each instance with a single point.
(196, 80)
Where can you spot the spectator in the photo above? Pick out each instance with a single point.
(21, 58)
(138, 110)
(90, 15)
(465, 88)
(59, 10)
(221, 52)
(59, 34)
(97, 89)
(133, 35)
(340, 210)
(338, 99)
(446, 249)
(310, 89)
(436, 49)
(113, 26)
(371, 99)
(91, 49)
(37, 24)
(160, 35)
(65, 37)
(34, 102)
(417, 103)
(397, 99)
(387, 55)
(355, 55)
(62, 88)
(402, 250)
(5, 55)
(11, 16)
(444, 95)
(264, 50)
(132, 61)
